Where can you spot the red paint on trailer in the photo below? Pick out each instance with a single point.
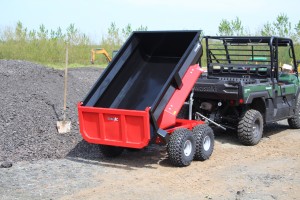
(115, 127)
(168, 116)
(184, 123)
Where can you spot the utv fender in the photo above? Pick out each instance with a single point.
(254, 95)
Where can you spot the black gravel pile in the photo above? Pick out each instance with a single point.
(31, 101)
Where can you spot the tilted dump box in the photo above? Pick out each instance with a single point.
(138, 96)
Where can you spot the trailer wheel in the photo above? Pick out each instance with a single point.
(204, 137)
(250, 127)
(181, 147)
(294, 122)
(111, 151)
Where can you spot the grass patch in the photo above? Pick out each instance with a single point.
(72, 65)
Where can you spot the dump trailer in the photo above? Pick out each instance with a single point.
(136, 100)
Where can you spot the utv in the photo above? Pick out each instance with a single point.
(246, 86)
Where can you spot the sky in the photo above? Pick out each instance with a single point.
(93, 17)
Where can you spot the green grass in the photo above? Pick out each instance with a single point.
(73, 65)
(47, 47)
(49, 54)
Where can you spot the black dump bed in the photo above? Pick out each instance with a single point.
(146, 71)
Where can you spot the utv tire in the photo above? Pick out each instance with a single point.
(204, 137)
(250, 127)
(111, 151)
(181, 148)
(294, 121)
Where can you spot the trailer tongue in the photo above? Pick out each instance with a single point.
(137, 98)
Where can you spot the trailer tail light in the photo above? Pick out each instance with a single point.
(241, 101)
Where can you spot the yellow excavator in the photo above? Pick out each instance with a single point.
(99, 51)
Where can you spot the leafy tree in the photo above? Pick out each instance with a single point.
(225, 28)
(7, 34)
(283, 26)
(267, 30)
(127, 31)
(59, 34)
(113, 40)
(114, 35)
(52, 34)
(20, 32)
(237, 27)
(297, 28)
(43, 32)
(72, 35)
(32, 35)
(229, 28)
(142, 28)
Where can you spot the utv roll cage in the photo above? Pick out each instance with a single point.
(247, 57)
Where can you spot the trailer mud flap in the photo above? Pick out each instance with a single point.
(115, 127)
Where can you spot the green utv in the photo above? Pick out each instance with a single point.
(250, 81)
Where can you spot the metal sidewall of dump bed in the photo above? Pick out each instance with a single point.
(142, 73)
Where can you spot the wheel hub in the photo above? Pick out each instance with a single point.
(256, 128)
(206, 143)
(187, 150)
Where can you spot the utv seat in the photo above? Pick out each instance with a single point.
(287, 78)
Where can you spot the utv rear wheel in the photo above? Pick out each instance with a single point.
(204, 137)
(181, 147)
(294, 121)
(111, 151)
(250, 127)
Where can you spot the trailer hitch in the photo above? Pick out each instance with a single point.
(211, 121)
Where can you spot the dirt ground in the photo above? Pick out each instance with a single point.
(269, 170)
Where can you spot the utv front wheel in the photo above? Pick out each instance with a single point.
(181, 147)
(250, 127)
(294, 122)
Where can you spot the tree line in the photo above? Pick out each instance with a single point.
(43, 45)
(281, 27)
(48, 46)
